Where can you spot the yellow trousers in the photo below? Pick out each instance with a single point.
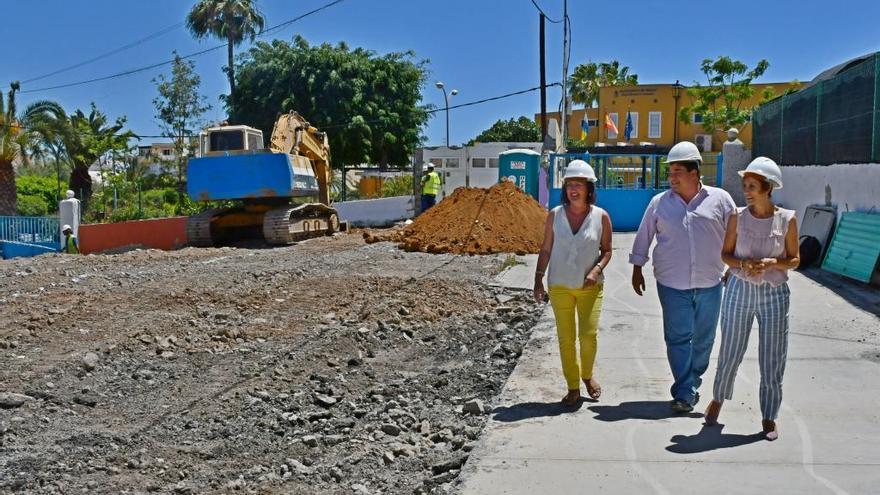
(587, 303)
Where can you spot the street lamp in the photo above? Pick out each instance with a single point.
(446, 98)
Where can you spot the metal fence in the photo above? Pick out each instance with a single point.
(636, 171)
(626, 183)
(30, 229)
(832, 121)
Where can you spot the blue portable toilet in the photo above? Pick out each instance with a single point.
(522, 167)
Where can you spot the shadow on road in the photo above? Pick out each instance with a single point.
(527, 410)
(644, 409)
(710, 438)
(861, 295)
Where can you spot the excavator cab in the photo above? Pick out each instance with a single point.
(217, 141)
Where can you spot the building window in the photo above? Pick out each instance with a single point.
(437, 162)
(697, 118)
(452, 163)
(635, 123)
(478, 162)
(655, 120)
(611, 133)
(493, 163)
(166, 152)
(592, 122)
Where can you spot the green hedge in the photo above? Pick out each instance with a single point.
(42, 187)
(32, 206)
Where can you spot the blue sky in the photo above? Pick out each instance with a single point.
(483, 48)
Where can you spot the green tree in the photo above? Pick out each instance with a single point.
(402, 185)
(231, 20)
(522, 129)
(179, 108)
(17, 140)
(586, 79)
(723, 101)
(368, 104)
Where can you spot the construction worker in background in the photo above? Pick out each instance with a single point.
(71, 246)
(430, 187)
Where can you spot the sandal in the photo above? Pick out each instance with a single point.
(769, 429)
(571, 398)
(593, 388)
(712, 412)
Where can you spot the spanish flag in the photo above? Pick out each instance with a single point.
(609, 124)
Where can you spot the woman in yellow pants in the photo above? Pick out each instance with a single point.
(576, 249)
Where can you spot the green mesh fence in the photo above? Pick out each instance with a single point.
(833, 121)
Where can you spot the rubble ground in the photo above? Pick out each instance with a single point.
(331, 366)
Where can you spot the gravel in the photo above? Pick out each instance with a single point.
(327, 367)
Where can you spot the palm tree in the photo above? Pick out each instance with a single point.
(585, 81)
(583, 84)
(85, 138)
(18, 139)
(232, 20)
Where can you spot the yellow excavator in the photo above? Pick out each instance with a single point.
(270, 184)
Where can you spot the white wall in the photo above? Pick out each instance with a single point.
(853, 187)
(380, 212)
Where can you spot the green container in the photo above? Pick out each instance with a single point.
(521, 167)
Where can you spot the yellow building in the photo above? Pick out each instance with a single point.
(653, 108)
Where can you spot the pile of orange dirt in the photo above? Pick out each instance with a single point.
(501, 219)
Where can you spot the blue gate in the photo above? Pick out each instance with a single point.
(626, 183)
(28, 236)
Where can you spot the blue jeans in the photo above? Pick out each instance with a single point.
(428, 200)
(690, 318)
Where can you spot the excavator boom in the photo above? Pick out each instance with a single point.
(293, 135)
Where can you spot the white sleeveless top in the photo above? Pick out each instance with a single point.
(574, 254)
(758, 238)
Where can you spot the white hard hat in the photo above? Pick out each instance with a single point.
(766, 168)
(684, 151)
(579, 169)
(66, 228)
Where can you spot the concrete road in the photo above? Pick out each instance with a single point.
(630, 443)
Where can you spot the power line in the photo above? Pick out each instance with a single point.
(287, 23)
(107, 54)
(468, 104)
(191, 55)
(121, 74)
(545, 15)
(347, 124)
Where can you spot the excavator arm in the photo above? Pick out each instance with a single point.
(294, 135)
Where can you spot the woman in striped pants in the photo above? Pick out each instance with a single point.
(760, 246)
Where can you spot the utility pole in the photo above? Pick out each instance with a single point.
(543, 80)
(564, 123)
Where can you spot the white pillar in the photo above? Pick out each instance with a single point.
(68, 214)
(736, 158)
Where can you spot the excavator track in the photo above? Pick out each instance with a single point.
(198, 229)
(291, 224)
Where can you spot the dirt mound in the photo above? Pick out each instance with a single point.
(501, 219)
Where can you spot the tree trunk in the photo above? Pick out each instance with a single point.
(81, 184)
(8, 197)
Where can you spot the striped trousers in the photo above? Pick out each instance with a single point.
(744, 302)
